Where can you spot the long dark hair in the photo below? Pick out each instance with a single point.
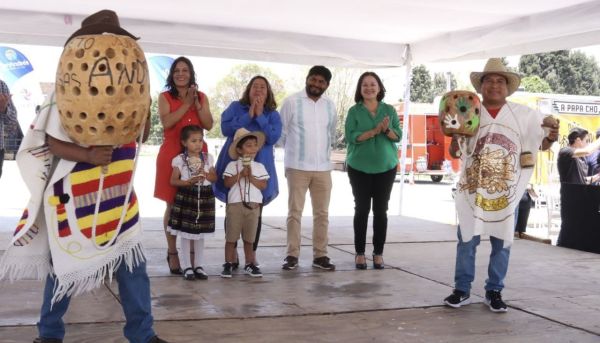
(270, 103)
(171, 84)
(358, 97)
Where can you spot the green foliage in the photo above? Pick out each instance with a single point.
(565, 72)
(535, 84)
(420, 85)
(341, 91)
(232, 87)
(156, 128)
(509, 68)
(440, 84)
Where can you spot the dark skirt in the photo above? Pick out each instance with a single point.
(193, 212)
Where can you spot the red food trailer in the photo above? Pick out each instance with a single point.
(427, 147)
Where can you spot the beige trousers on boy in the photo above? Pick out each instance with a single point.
(319, 185)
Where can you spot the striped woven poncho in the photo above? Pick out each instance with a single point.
(82, 220)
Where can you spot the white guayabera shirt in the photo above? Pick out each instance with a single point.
(308, 132)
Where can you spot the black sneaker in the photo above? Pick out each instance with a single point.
(457, 299)
(253, 270)
(291, 263)
(226, 270)
(155, 339)
(47, 340)
(494, 300)
(323, 263)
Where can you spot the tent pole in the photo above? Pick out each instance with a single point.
(405, 118)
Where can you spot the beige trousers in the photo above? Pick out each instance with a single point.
(319, 185)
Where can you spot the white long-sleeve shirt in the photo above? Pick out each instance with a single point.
(308, 132)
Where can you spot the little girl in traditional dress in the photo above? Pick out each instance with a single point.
(193, 213)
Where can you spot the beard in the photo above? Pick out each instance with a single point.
(314, 91)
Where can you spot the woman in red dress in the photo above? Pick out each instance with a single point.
(181, 105)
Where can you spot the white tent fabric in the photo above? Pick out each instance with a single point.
(332, 32)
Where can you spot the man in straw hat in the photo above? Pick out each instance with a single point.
(82, 222)
(493, 179)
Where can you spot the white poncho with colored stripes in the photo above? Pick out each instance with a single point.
(64, 229)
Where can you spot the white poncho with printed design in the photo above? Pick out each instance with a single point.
(492, 181)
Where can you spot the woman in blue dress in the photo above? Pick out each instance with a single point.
(255, 111)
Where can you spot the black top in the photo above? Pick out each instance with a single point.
(571, 170)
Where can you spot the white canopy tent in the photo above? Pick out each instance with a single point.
(353, 33)
(331, 32)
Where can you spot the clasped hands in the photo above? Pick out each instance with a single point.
(191, 98)
(196, 179)
(257, 106)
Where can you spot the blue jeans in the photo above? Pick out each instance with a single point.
(134, 290)
(465, 264)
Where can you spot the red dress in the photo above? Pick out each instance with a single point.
(171, 147)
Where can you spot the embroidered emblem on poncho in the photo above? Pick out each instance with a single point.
(491, 172)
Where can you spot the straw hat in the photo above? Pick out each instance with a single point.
(104, 21)
(495, 66)
(239, 135)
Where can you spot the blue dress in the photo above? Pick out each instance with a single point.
(269, 122)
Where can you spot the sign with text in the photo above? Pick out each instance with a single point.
(17, 72)
(577, 107)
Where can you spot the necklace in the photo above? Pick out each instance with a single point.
(246, 188)
(197, 170)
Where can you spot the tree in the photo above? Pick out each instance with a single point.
(341, 91)
(582, 75)
(156, 128)
(440, 86)
(232, 86)
(566, 72)
(509, 68)
(420, 85)
(535, 84)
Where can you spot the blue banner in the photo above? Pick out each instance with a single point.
(13, 65)
(159, 70)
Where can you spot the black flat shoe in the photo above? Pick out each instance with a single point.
(174, 271)
(361, 266)
(200, 273)
(188, 274)
(378, 265)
